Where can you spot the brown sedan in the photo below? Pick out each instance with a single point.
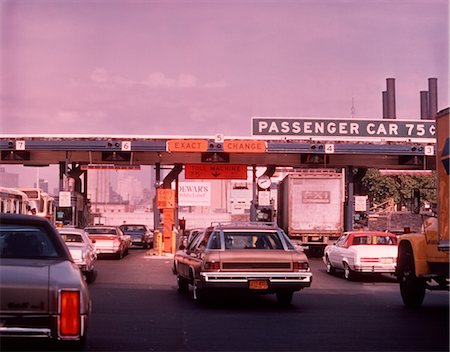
(255, 257)
(42, 291)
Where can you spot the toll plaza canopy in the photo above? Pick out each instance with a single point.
(291, 142)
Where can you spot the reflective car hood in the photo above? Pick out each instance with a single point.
(24, 286)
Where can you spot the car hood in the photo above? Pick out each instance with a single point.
(26, 285)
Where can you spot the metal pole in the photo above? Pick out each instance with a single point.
(254, 198)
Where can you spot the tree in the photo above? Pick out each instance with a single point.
(399, 188)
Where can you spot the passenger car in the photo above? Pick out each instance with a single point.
(362, 252)
(140, 235)
(42, 291)
(252, 257)
(82, 249)
(109, 240)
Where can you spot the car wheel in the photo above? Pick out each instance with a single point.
(199, 294)
(330, 268)
(183, 284)
(90, 276)
(412, 289)
(348, 273)
(284, 298)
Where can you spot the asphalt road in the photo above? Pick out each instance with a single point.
(136, 307)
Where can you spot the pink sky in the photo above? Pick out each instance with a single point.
(206, 67)
(199, 67)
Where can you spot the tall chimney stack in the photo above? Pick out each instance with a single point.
(432, 98)
(424, 113)
(390, 90)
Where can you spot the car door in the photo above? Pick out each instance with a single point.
(183, 258)
(337, 252)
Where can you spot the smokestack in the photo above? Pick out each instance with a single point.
(424, 114)
(385, 105)
(432, 98)
(390, 83)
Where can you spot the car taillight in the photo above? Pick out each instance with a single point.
(369, 260)
(300, 266)
(212, 265)
(69, 313)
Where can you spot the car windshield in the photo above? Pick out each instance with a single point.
(72, 237)
(101, 231)
(132, 228)
(250, 240)
(374, 240)
(25, 242)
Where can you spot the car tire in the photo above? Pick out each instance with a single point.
(330, 268)
(183, 284)
(90, 276)
(200, 295)
(412, 288)
(284, 298)
(349, 274)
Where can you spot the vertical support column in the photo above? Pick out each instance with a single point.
(156, 212)
(349, 207)
(63, 171)
(254, 196)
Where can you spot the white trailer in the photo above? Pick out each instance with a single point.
(311, 207)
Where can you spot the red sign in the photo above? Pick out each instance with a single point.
(244, 146)
(215, 171)
(165, 198)
(187, 145)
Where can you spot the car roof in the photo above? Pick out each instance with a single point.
(369, 233)
(245, 226)
(22, 218)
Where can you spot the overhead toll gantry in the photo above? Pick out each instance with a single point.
(355, 144)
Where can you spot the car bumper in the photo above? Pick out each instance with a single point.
(36, 326)
(378, 268)
(241, 280)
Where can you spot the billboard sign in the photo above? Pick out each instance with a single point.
(194, 194)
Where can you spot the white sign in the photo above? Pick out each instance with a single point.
(264, 198)
(360, 203)
(194, 194)
(126, 146)
(64, 199)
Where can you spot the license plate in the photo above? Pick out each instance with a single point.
(258, 285)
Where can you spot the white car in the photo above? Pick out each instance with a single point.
(82, 249)
(362, 252)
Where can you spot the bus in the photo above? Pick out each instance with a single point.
(40, 203)
(13, 201)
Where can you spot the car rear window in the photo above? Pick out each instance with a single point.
(252, 240)
(374, 240)
(25, 241)
(131, 228)
(101, 231)
(72, 237)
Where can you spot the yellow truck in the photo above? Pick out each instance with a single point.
(423, 258)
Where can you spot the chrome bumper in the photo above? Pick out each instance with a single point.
(241, 279)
